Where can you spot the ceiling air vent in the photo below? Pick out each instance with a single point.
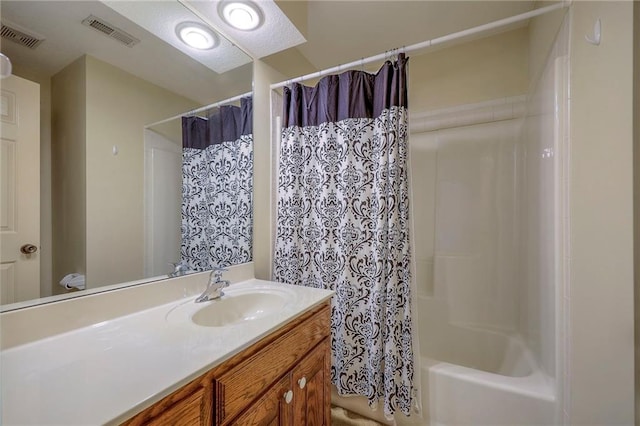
(19, 35)
(109, 30)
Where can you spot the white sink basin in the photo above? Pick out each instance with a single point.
(236, 306)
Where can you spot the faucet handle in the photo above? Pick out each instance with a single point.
(178, 269)
(217, 273)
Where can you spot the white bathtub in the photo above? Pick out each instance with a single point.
(478, 377)
(472, 376)
(457, 395)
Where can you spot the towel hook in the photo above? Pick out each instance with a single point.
(597, 34)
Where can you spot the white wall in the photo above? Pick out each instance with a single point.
(474, 247)
(462, 197)
(540, 157)
(162, 202)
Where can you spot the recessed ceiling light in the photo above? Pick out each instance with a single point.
(196, 35)
(5, 66)
(243, 15)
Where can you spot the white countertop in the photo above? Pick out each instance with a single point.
(108, 372)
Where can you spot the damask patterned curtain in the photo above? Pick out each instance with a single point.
(217, 188)
(343, 223)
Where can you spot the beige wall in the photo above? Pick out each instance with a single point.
(46, 225)
(68, 176)
(171, 130)
(481, 70)
(70, 85)
(118, 106)
(601, 217)
(636, 193)
(98, 197)
(263, 193)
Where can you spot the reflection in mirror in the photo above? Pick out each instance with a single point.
(199, 188)
(79, 183)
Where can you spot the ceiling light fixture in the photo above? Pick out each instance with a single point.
(196, 35)
(5, 66)
(243, 15)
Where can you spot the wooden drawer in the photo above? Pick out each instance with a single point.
(237, 388)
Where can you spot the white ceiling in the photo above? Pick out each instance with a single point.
(161, 19)
(152, 59)
(276, 33)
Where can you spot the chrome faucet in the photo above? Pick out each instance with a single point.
(215, 286)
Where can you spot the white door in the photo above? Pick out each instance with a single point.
(19, 190)
(163, 198)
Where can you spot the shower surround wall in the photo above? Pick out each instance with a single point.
(487, 191)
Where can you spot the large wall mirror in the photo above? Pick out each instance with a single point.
(93, 77)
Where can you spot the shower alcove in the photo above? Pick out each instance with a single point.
(486, 165)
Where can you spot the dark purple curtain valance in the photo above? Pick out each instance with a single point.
(227, 124)
(352, 94)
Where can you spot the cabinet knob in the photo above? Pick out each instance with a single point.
(302, 382)
(288, 397)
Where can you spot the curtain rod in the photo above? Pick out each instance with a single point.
(428, 43)
(204, 108)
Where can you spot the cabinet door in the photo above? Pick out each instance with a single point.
(272, 409)
(238, 387)
(311, 388)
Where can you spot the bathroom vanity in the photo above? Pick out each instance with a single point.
(283, 379)
(258, 355)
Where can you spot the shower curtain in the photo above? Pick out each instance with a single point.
(217, 188)
(343, 223)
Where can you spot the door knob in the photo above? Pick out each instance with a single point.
(302, 382)
(28, 249)
(288, 396)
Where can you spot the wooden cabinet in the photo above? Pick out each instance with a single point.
(271, 408)
(282, 379)
(311, 387)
